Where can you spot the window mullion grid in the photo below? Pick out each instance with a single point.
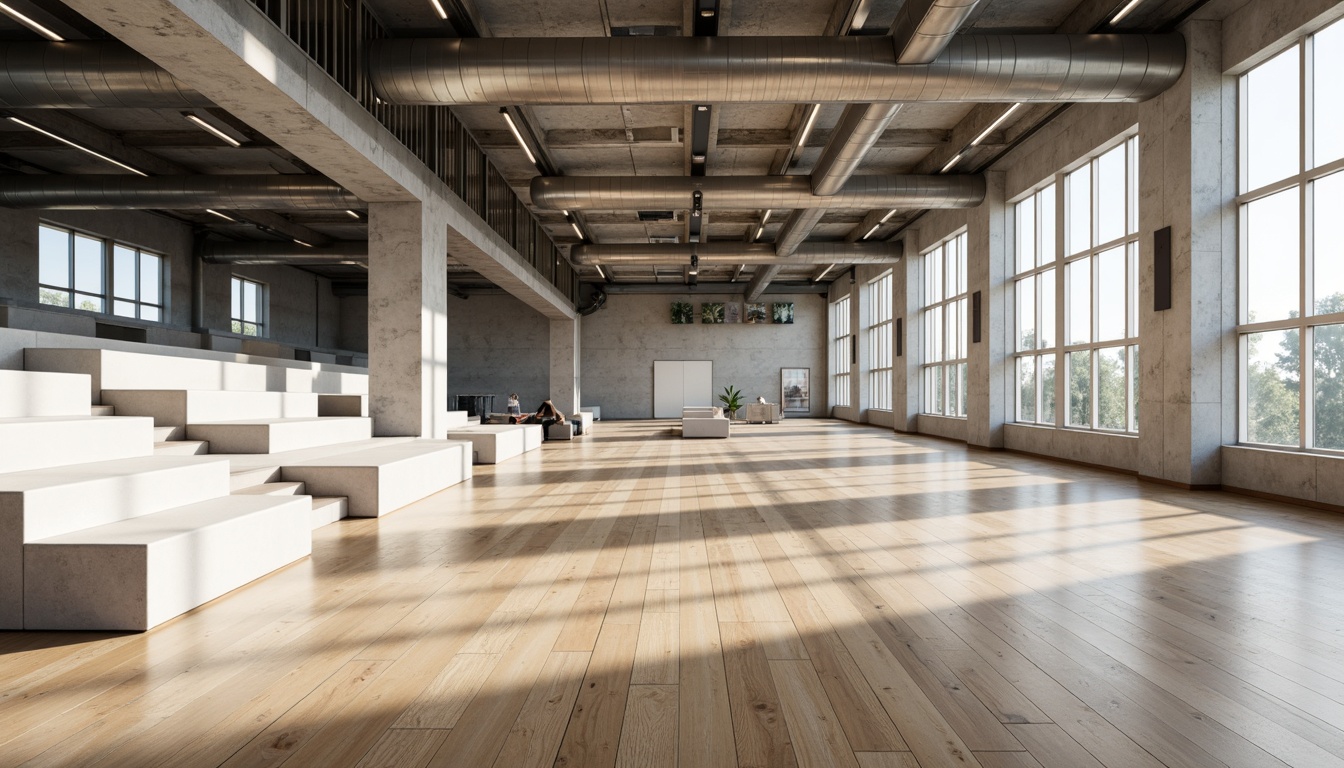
(1306, 349)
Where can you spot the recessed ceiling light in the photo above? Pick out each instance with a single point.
(976, 141)
(600, 272)
(438, 8)
(31, 24)
(950, 163)
(871, 231)
(221, 215)
(80, 147)
(759, 231)
(807, 127)
(300, 242)
(353, 214)
(212, 130)
(517, 135)
(890, 213)
(1131, 5)
(577, 231)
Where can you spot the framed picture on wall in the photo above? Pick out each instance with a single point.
(732, 312)
(682, 313)
(783, 312)
(711, 313)
(756, 313)
(795, 391)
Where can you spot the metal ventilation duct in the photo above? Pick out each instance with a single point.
(860, 126)
(354, 252)
(745, 193)
(87, 74)
(685, 70)
(927, 26)
(125, 192)
(734, 253)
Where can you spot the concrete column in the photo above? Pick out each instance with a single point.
(989, 379)
(565, 373)
(1187, 172)
(907, 284)
(408, 325)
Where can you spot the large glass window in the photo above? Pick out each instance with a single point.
(945, 328)
(841, 353)
(1077, 296)
(84, 272)
(879, 343)
(248, 313)
(1291, 195)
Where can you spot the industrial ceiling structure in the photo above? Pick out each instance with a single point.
(706, 141)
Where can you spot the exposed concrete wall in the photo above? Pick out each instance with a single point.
(354, 323)
(621, 342)
(497, 344)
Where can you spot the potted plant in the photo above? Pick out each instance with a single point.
(732, 400)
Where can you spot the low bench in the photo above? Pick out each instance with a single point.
(493, 443)
(385, 477)
(704, 422)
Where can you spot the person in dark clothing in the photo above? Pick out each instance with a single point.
(546, 415)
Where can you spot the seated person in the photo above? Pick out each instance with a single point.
(546, 415)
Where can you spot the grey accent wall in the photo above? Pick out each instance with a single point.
(621, 341)
(497, 345)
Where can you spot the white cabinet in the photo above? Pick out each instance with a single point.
(679, 383)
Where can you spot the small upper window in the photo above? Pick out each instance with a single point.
(248, 311)
(84, 272)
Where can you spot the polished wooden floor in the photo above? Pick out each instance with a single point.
(810, 593)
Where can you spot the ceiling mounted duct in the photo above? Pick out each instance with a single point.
(124, 192)
(734, 253)
(796, 70)
(354, 252)
(747, 193)
(87, 74)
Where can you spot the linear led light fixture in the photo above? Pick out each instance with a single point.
(223, 216)
(950, 163)
(517, 136)
(871, 231)
(766, 216)
(300, 242)
(976, 141)
(212, 130)
(1131, 5)
(600, 272)
(577, 231)
(31, 24)
(353, 214)
(438, 8)
(807, 127)
(824, 272)
(887, 218)
(759, 231)
(80, 147)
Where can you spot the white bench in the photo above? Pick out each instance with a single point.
(493, 443)
(138, 573)
(704, 422)
(583, 422)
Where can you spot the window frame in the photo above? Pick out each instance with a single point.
(1058, 264)
(238, 324)
(841, 359)
(879, 329)
(108, 283)
(1303, 182)
(953, 301)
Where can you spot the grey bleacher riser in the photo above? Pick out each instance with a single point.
(56, 441)
(116, 369)
(385, 478)
(493, 443)
(39, 504)
(138, 573)
(28, 393)
(277, 435)
(342, 405)
(175, 407)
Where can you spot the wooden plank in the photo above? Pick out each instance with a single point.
(536, 733)
(1006, 702)
(656, 651)
(705, 737)
(758, 723)
(886, 760)
(1007, 760)
(403, 748)
(1052, 747)
(594, 731)
(447, 697)
(649, 730)
(817, 739)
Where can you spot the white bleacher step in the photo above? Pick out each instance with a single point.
(55, 441)
(329, 509)
(255, 469)
(182, 448)
(171, 407)
(493, 443)
(29, 394)
(386, 477)
(275, 489)
(117, 369)
(102, 410)
(164, 434)
(42, 503)
(277, 435)
(138, 573)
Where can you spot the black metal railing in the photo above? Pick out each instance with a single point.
(333, 33)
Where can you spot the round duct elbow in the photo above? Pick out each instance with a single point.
(747, 193)
(88, 74)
